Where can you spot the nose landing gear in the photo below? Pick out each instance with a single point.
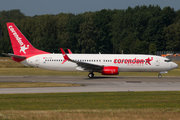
(91, 75)
(163, 72)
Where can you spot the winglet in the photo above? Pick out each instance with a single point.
(69, 51)
(64, 55)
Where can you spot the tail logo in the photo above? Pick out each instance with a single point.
(22, 45)
(23, 48)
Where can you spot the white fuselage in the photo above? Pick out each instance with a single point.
(125, 62)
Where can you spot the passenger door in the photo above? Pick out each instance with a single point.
(157, 62)
(37, 61)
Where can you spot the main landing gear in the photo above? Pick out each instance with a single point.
(159, 76)
(91, 75)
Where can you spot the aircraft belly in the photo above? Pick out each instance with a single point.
(128, 68)
(58, 66)
(125, 68)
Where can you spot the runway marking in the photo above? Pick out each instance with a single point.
(133, 82)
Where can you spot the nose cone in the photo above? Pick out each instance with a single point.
(174, 65)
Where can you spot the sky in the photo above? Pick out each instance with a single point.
(42, 7)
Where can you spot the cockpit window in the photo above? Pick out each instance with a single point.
(167, 60)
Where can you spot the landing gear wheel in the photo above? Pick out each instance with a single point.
(91, 75)
(159, 76)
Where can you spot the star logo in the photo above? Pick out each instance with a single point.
(148, 60)
(23, 48)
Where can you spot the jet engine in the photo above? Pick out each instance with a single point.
(110, 70)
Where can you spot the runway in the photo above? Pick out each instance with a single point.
(96, 84)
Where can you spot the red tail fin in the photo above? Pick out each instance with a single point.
(20, 45)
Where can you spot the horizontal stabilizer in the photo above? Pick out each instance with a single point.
(15, 56)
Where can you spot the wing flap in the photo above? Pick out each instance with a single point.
(89, 66)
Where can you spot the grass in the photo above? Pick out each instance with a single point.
(7, 62)
(121, 114)
(34, 84)
(106, 106)
(90, 101)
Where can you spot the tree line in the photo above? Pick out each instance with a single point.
(138, 30)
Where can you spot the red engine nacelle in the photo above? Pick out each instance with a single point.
(110, 70)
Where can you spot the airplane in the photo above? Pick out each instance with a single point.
(106, 64)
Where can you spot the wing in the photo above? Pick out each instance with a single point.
(81, 65)
(69, 51)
